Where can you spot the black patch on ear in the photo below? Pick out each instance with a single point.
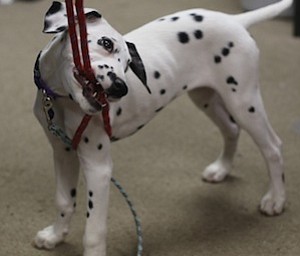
(55, 7)
(61, 29)
(47, 24)
(137, 65)
(93, 15)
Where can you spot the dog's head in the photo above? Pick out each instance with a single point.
(111, 56)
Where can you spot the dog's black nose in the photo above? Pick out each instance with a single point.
(118, 89)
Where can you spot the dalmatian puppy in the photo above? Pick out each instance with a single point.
(208, 54)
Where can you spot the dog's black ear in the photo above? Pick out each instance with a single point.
(137, 65)
(56, 18)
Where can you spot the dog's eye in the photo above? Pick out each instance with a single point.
(107, 44)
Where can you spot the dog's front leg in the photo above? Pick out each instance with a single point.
(66, 170)
(96, 163)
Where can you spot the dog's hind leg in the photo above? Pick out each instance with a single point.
(212, 105)
(66, 171)
(249, 112)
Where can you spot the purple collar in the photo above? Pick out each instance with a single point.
(40, 83)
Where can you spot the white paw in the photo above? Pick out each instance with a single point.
(48, 238)
(272, 204)
(215, 172)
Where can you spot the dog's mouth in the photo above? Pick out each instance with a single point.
(97, 97)
(93, 96)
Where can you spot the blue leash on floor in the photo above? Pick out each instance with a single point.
(135, 216)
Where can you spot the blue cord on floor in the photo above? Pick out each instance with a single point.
(135, 216)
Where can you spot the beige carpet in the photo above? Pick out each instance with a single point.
(160, 166)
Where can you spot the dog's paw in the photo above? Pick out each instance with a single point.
(272, 205)
(215, 172)
(48, 238)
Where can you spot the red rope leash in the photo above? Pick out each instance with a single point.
(73, 36)
(84, 70)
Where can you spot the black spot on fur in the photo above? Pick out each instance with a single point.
(196, 17)
(62, 215)
(225, 52)
(74, 205)
(73, 192)
(100, 66)
(184, 87)
(206, 106)
(252, 109)
(230, 44)
(198, 34)
(183, 37)
(162, 19)
(283, 178)
(162, 91)
(86, 140)
(91, 205)
(119, 112)
(87, 214)
(55, 7)
(71, 97)
(174, 18)
(156, 75)
(100, 146)
(218, 59)
(231, 80)
(91, 193)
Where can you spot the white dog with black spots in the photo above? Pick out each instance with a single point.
(208, 54)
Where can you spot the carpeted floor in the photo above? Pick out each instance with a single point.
(160, 166)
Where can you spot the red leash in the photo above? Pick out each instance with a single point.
(84, 70)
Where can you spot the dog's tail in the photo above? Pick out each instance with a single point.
(271, 11)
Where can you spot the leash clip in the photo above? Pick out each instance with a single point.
(47, 107)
